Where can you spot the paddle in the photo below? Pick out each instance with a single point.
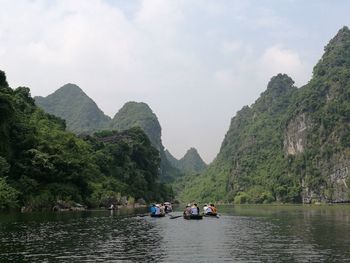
(142, 215)
(173, 217)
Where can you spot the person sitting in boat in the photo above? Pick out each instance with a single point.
(205, 207)
(153, 209)
(187, 210)
(213, 209)
(168, 207)
(194, 209)
(209, 210)
(158, 212)
(162, 208)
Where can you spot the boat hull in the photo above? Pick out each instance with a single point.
(193, 217)
(211, 214)
(160, 215)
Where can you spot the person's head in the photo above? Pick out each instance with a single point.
(153, 205)
(211, 204)
(195, 204)
(188, 205)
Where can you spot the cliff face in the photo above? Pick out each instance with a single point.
(291, 145)
(295, 137)
(318, 130)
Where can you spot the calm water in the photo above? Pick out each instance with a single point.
(241, 234)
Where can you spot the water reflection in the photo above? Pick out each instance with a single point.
(241, 234)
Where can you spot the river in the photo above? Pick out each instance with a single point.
(240, 234)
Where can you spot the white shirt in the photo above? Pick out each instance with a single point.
(194, 210)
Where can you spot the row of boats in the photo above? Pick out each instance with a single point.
(191, 212)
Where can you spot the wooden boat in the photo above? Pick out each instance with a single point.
(193, 217)
(211, 214)
(159, 215)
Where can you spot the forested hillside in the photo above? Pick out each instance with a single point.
(139, 114)
(80, 112)
(190, 163)
(41, 163)
(82, 115)
(291, 145)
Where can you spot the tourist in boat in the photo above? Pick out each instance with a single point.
(153, 209)
(158, 212)
(162, 208)
(205, 207)
(194, 209)
(209, 210)
(213, 209)
(187, 210)
(168, 207)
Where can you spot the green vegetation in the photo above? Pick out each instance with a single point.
(41, 163)
(83, 116)
(78, 110)
(286, 146)
(190, 163)
(138, 114)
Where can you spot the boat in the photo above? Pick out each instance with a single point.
(193, 217)
(158, 215)
(211, 214)
(168, 207)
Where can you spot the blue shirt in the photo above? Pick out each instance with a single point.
(153, 209)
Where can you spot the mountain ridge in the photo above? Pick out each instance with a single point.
(290, 145)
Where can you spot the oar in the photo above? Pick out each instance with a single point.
(142, 215)
(173, 217)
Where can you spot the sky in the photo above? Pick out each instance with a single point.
(194, 62)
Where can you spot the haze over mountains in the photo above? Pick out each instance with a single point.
(190, 163)
(291, 145)
(82, 115)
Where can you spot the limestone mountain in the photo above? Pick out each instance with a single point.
(172, 160)
(139, 114)
(80, 112)
(291, 145)
(190, 163)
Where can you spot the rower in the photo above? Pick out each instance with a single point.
(194, 209)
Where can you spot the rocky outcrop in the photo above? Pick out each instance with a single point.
(296, 134)
(335, 188)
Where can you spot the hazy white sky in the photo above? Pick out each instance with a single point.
(195, 62)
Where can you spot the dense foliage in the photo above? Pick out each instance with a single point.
(41, 163)
(256, 164)
(78, 110)
(82, 115)
(139, 114)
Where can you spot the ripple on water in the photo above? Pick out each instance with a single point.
(231, 238)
